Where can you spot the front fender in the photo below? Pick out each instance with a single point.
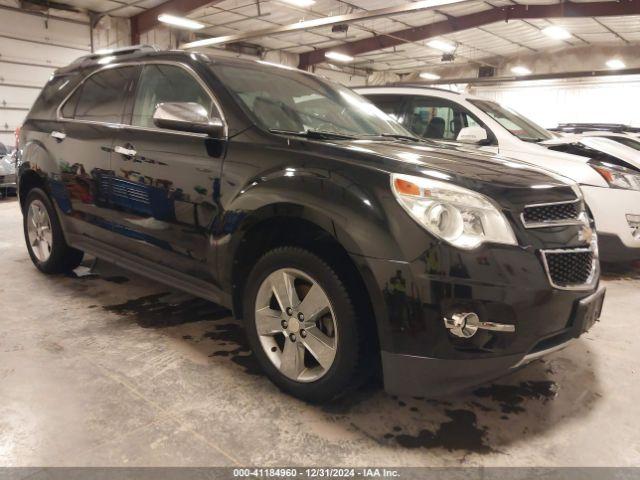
(353, 214)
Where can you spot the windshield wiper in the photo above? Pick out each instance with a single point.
(315, 134)
(398, 136)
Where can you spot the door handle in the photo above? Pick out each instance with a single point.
(127, 152)
(58, 135)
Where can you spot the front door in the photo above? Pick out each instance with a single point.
(166, 182)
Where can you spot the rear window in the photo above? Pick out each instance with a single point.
(52, 94)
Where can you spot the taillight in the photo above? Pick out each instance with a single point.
(17, 137)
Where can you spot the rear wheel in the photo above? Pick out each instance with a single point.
(302, 325)
(45, 241)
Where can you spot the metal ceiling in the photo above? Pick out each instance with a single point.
(499, 39)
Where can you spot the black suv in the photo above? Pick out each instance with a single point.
(342, 241)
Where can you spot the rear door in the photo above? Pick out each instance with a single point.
(166, 182)
(82, 140)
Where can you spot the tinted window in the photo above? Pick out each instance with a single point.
(389, 104)
(438, 119)
(165, 83)
(102, 96)
(69, 107)
(52, 94)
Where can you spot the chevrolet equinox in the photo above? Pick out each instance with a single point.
(342, 241)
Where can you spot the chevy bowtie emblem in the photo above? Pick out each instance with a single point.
(586, 234)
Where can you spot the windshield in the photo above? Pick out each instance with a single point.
(283, 99)
(628, 141)
(521, 127)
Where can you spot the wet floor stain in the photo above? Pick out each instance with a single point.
(511, 398)
(119, 279)
(241, 354)
(459, 433)
(158, 310)
(86, 273)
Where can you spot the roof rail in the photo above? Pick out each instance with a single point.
(115, 52)
(422, 85)
(412, 85)
(579, 127)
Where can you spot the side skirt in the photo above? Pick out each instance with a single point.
(149, 269)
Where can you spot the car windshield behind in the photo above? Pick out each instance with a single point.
(627, 141)
(284, 99)
(518, 125)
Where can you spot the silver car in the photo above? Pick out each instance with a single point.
(7, 174)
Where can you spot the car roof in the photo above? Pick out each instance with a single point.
(143, 53)
(416, 90)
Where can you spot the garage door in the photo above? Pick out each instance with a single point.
(31, 48)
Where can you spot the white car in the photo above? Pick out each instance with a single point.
(629, 140)
(609, 181)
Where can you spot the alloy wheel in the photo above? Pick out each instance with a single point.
(296, 325)
(39, 230)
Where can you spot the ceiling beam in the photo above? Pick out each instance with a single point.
(148, 20)
(328, 21)
(474, 20)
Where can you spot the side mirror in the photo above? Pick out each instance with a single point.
(472, 135)
(187, 117)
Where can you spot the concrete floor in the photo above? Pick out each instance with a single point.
(116, 370)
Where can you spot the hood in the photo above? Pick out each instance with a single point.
(596, 147)
(497, 177)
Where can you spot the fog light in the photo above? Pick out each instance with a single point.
(465, 325)
(634, 223)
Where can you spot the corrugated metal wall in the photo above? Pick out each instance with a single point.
(31, 48)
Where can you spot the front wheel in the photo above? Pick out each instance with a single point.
(45, 241)
(302, 325)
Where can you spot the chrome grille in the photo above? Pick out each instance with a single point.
(552, 214)
(571, 269)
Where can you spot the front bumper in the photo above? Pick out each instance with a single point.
(433, 377)
(618, 240)
(501, 284)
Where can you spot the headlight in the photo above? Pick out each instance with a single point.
(459, 216)
(617, 177)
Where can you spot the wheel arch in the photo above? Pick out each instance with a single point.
(292, 225)
(28, 180)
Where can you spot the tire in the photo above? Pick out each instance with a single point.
(50, 254)
(338, 327)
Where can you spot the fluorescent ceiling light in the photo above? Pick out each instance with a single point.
(339, 57)
(429, 76)
(520, 70)
(557, 33)
(615, 64)
(180, 21)
(325, 21)
(300, 3)
(442, 45)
